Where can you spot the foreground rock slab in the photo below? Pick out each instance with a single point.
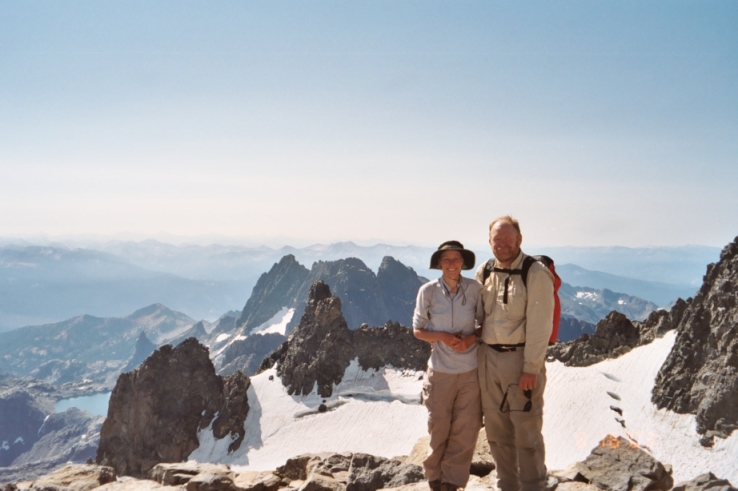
(79, 477)
(617, 464)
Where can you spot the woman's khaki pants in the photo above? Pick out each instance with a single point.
(454, 419)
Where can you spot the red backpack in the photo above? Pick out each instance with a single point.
(523, 272)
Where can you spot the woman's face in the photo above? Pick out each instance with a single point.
(451, 264)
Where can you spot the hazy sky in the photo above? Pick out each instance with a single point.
(595, 123)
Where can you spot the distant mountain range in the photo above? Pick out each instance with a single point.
(46, 284)
(662, 294)
(40, 285)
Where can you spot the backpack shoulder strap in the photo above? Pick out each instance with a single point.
(527, 263)
(488, 268)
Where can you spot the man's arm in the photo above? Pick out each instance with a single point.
(538, 325)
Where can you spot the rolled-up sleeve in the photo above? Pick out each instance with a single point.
(422, 305)
(479, 315)
(539, 317)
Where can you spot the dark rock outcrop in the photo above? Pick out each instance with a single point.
(319, 350)
(322, 346)
(156, 410)
(616, 335)
(700, 375)
(391, 344)
(274, 290)
(705, 482)
(617, 464)
(144, 348)
(245, 355)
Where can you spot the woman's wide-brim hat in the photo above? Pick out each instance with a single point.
(453, 245)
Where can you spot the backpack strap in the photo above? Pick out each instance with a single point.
(523, 272)
(488, 267)
(527, 263)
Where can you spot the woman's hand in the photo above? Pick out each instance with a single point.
(466, 341)
(451, 340)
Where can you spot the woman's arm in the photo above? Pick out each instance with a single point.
(432, 336)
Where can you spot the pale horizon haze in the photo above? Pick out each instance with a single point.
(594, 123)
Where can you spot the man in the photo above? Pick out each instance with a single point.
(512, 372)
(446, 315)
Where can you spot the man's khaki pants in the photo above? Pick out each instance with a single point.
(515, 437)
(454, 420)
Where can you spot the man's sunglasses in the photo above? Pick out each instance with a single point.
(528, 405)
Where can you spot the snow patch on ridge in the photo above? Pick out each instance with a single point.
(280, 426)
(278, 322)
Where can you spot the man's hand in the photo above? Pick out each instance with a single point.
(528, 381)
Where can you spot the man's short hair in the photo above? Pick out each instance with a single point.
(508, 219)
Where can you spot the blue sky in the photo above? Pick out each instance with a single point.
(595, 123)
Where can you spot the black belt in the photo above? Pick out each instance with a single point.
(504, 348)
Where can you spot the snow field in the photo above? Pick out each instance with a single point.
(378, 412)
(578, 415)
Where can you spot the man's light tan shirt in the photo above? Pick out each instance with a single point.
(528, 315)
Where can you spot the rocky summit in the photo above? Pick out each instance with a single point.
(700, 375)
(156, 410)
(367, 298)
(322, 346)
(275, 289)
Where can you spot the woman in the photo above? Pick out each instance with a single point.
(447, 313)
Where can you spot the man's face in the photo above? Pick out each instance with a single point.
(451, 264)
(505, 242)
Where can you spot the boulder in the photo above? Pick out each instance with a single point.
(257, 481)
(617, 464)
(175, 474)
(209, 481)
(369, 473)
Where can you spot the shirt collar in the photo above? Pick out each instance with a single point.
(516, 264)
